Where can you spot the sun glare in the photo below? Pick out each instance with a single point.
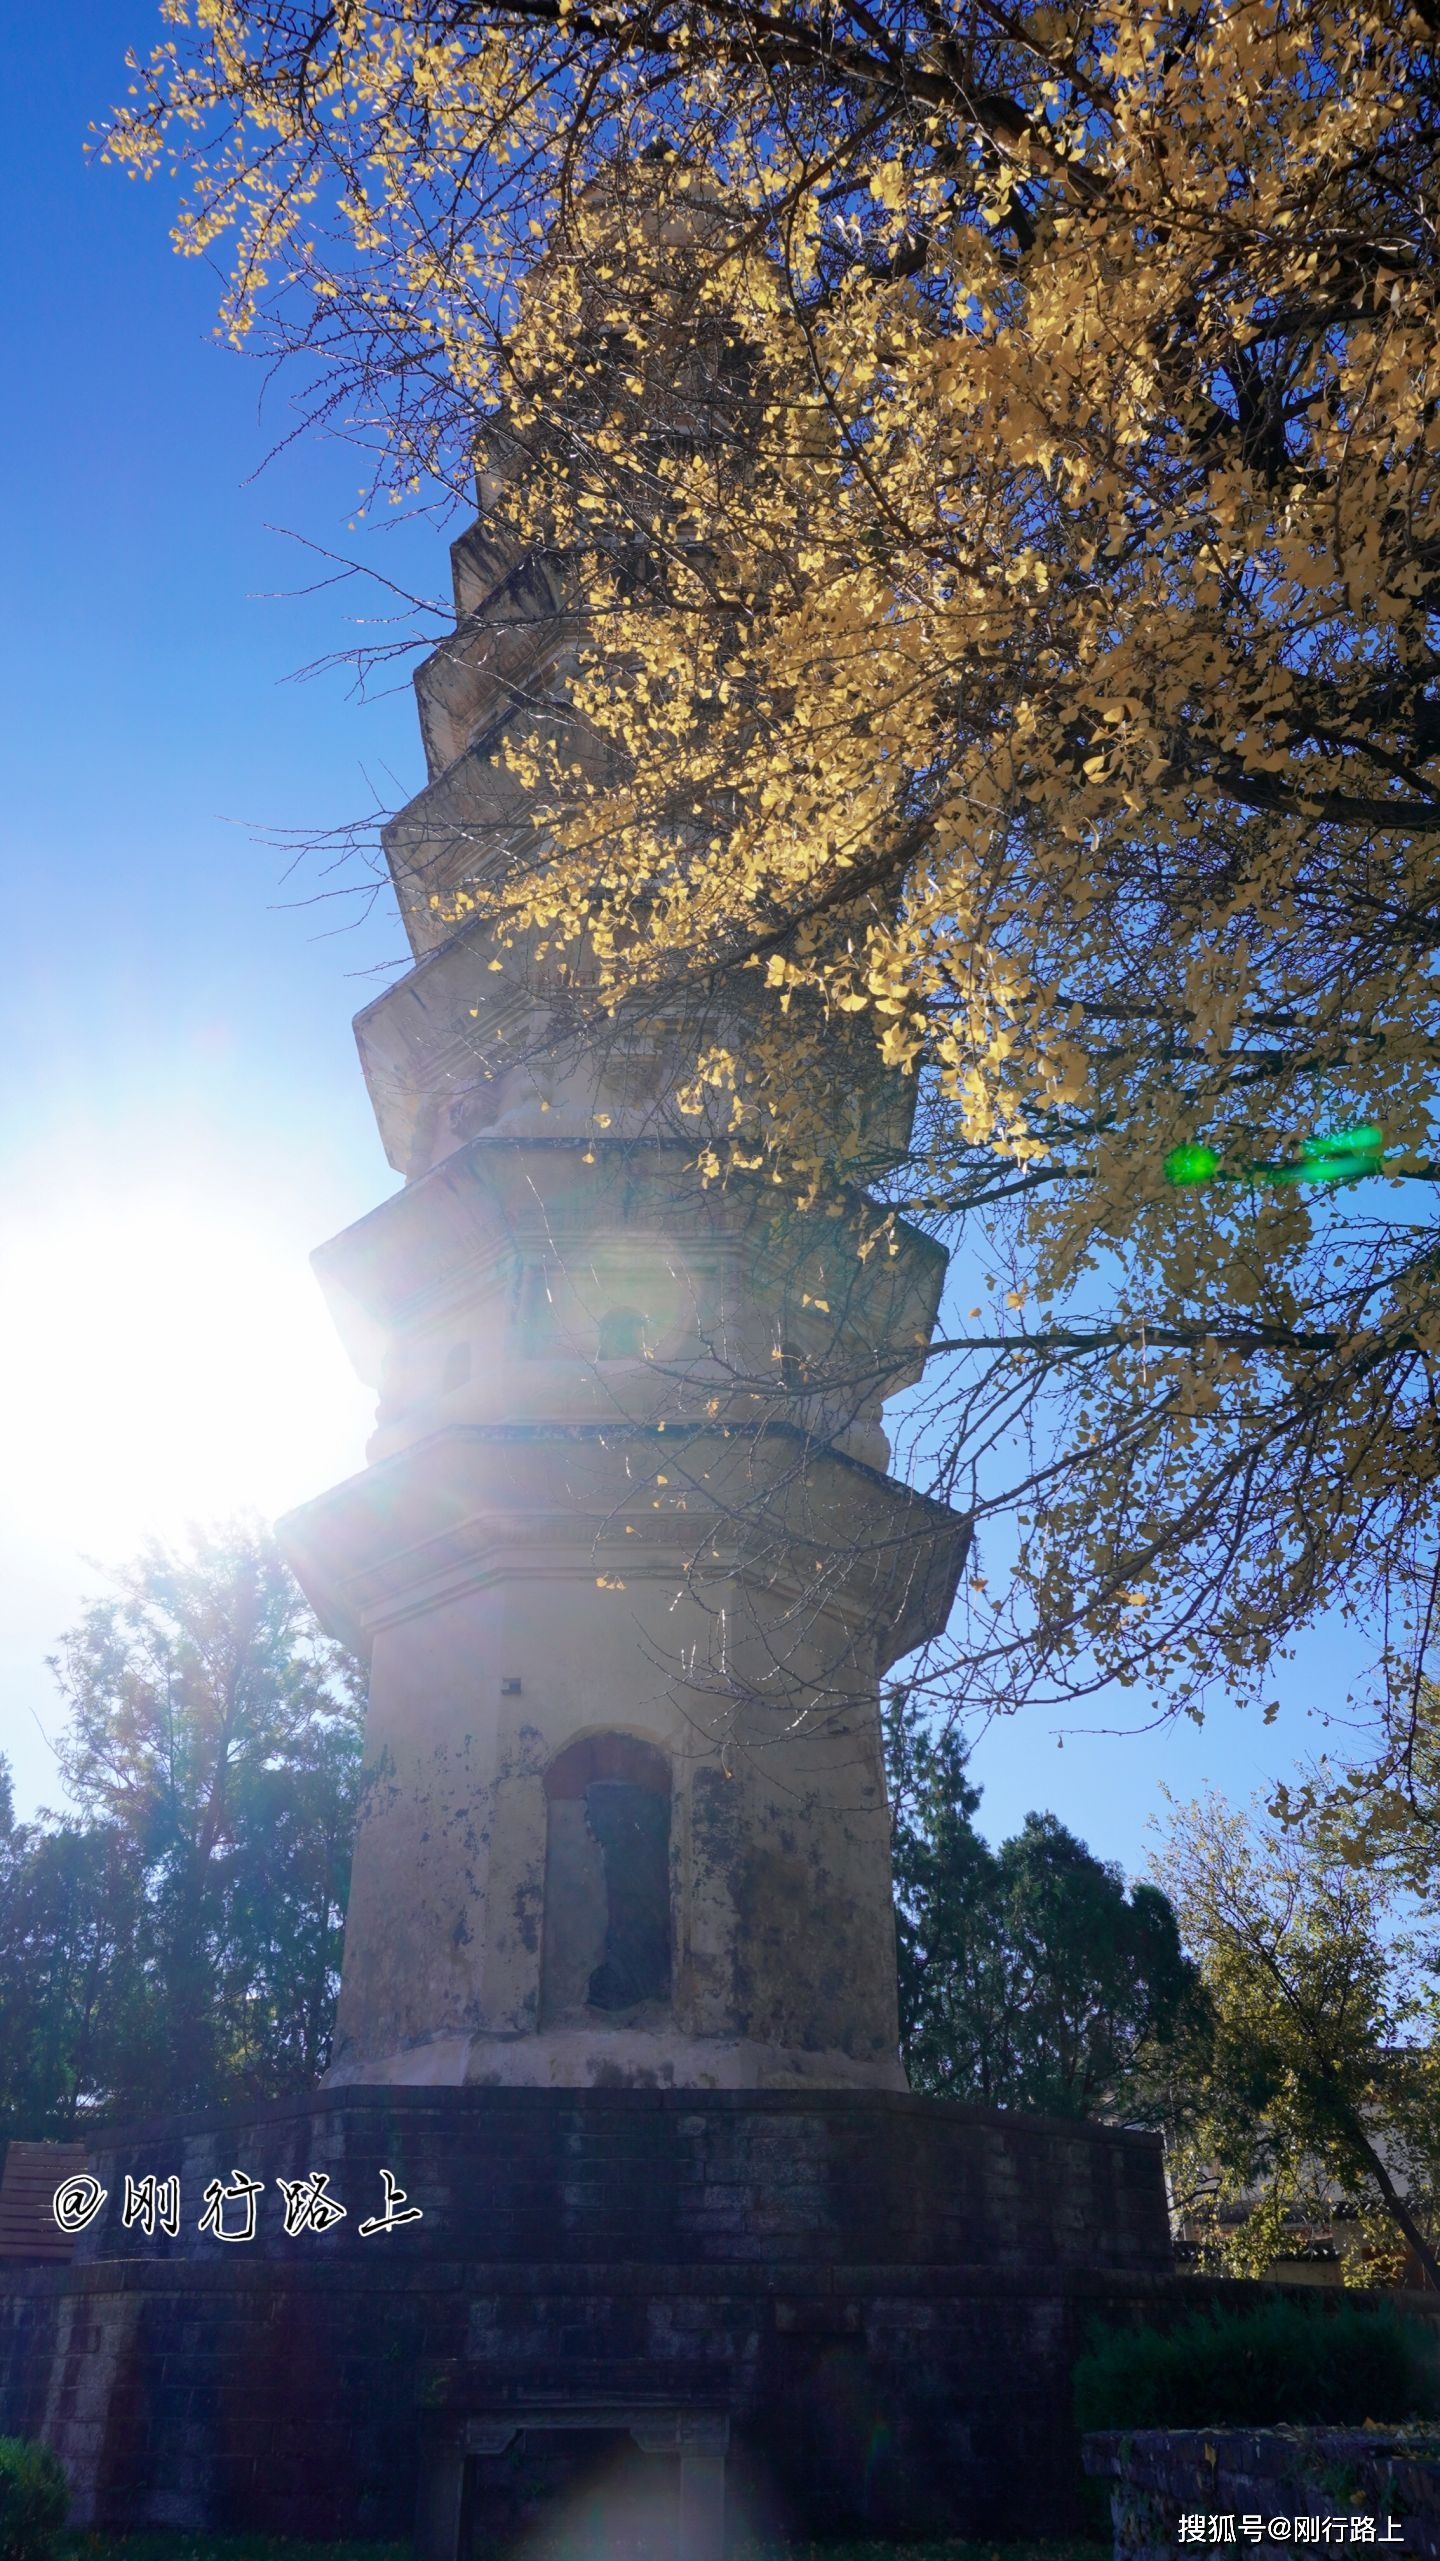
(168, 1363)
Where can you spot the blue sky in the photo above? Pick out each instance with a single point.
(183, 1118)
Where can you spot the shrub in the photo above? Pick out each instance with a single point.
(1280, 2365)
(33, 2500)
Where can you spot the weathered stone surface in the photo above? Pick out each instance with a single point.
(548, 2179)
(883, 2295)
(470, 1569)
(1329, 2476)
(564, 1533)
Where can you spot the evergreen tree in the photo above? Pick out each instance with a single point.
(177, 1942)
(1029, 1978)
(75, 2004)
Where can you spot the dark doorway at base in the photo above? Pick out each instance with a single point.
(578, 2494)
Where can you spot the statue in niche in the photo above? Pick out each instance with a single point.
(606, 1945)
(632, 1827)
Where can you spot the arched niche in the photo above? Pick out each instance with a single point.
(605, 1945)
(622, 1334)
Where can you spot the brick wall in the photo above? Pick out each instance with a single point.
(885, 2293)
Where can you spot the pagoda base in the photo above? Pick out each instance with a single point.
(821, 2312)
(611, 2059)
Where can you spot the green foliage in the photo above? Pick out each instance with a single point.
(33, 2500)
(1283, 2364)
(76, 2005)
(175, 1941)
(1028, 1976)
(1320, 2075)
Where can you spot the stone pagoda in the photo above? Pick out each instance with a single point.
(614, 2207)
(625, 1560)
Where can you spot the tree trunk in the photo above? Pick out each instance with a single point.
(1349, 2122)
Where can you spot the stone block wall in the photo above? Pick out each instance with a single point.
(1385, 2482)
(882, 2294)
(541, 2177)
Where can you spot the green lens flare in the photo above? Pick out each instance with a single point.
(1341, 1169)
(1344, 1142)
(1342, 1156)
(1190, 1164)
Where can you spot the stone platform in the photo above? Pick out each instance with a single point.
(1385, 2481)
(841, 2311)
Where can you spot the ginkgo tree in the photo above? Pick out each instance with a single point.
(993, 450)
(1309, 2080)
